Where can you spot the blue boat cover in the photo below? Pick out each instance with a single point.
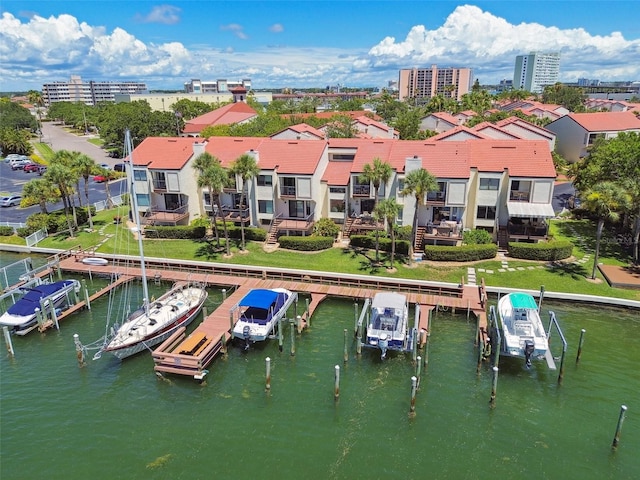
(31, 300)
(259, 298)
(522, 300)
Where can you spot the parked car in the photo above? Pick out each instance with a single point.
(105, 166)
(119, 167)
(41, 170)
(99, 179)
(31, 167)
(12, 156)
(10, 201)
(19, 164)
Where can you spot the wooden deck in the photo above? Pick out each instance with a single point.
(191, 355)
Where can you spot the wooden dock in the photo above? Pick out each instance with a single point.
(191, 355)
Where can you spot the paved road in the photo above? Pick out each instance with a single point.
(59, 139)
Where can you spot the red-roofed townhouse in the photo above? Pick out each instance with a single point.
(164, 182)
(527, 131)
(576, 132)
(459, 133)
(374, 129)
(232, 113)
(439, 122)
(301, 131)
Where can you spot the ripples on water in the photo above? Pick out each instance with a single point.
(117, 420)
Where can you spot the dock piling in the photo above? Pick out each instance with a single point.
(268, 374)
(494, 387)
(355, 317)
(280, 335)
(87, 297)
(224, 294)
(582, 332)
(336, 387)
(7, 339)
(616, 438)
(418, 369)
(293, 339)
(359, 339)
(346, 351)
(308, 313)
(414, 387)
(79, 350)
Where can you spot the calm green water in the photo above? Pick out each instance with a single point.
(117, 420)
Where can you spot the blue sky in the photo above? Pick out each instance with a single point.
(308, 43)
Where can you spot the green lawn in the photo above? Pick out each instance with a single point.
(564, 277)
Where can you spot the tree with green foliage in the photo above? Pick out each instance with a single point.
(189, 109)
(605, 200)
(572, 98)
(40, 191)
(15, 117)
(15, 141)
(245, 167)
(213, 177)
(325, 227)
(408, 123)
(60, 173)
(83, 167)
(377, 173)
(418, 183)
(388, 210)
(341, 126)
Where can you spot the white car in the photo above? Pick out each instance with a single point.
(10, 201)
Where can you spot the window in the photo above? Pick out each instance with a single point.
(265, 180)
(486, 213)
(140, 175)
(265, 206)
(143, 199)
(337, 190)
(336, 205)
(489, 183)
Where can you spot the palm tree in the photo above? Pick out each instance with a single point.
(62, 177)
(388, 210)
(36, 99)
(212, 176)
(418, 183)
(377, 173)
(84, 166)
(246, 168)
(605, 200)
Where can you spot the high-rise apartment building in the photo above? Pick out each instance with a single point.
(535, 71)
(89, 93)
(424, 83)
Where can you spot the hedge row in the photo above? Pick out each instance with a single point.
(384, 244)
(6, 231)
(306, 244)
(463, 253)
(175, 233)
(250, 233)
(544, 251)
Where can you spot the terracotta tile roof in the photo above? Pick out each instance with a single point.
(530, 158)
(490, 130)
(338, 173)
(226, 115)
(303, 128)
(458, 133)
(445, 117)
(327, 115)
(291, 156)
(228, 149)
(543, 132)
(164, 153)
(607, 121)
(368, 121)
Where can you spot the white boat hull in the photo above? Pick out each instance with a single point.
(258, 332)
(388, 326)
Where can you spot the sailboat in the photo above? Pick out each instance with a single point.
(153, 322)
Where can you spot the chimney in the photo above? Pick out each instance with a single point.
(412, 163)
(199, 148)
(255, 155)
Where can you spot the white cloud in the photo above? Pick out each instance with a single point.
(276, 28)
(43, 50)
(236, 29)
(166, 14)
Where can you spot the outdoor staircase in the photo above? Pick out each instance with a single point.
(419, 245)
(346, 229)
(272, 236)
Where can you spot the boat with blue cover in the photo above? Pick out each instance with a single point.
(258, 314)
(388, 325)
(24, 313)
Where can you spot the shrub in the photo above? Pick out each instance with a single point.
(543, 251)
(6, 231)
(306, 244)
(325, 227)
(384, 244)
(26, 231)
(178, 232)
(476, 237)
(200, 222)
(250, 233)
(464, 253)
(404, 233)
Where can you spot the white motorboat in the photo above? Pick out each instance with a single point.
(259, 312)
(521, 330)
(388, 325)
(24, 313)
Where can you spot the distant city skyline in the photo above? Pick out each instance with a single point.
(305, 44)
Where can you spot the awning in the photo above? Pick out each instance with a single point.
(526, 209)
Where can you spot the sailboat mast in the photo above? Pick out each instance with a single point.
(135, 213)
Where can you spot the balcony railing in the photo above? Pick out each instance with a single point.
(436, 197)
(287, 191)
(362, 190)
(519, 196)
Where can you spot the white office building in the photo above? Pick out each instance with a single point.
(89, 93)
